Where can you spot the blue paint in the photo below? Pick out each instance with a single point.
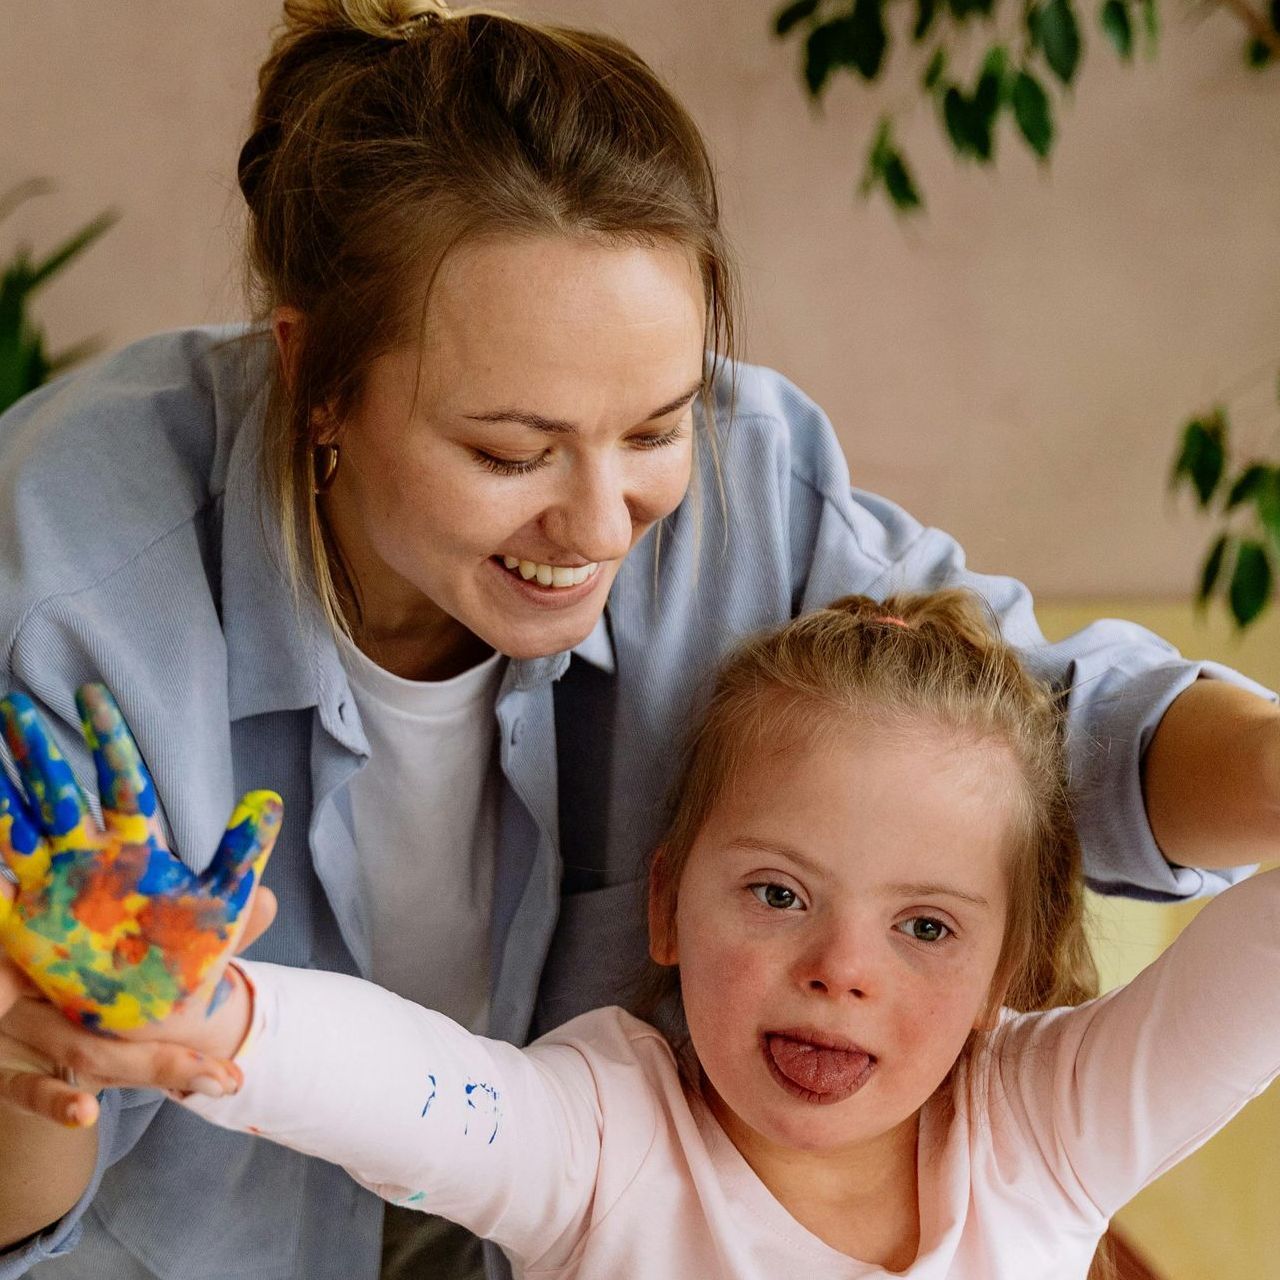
(417, 1198)
(23, 836)
(426, 1106)
(237, 850)
(220, 993)
(487, 1096)
(164, 876)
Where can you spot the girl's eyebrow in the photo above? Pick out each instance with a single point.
(907, 889)
(562, 426)
(926, 889)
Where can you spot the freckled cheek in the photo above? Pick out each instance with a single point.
(727, 987)
(661, 491)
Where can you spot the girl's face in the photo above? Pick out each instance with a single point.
(838, 927)
(545, 424)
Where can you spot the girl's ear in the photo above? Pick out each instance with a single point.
(662, 913)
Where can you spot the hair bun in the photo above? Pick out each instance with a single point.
(383, 19)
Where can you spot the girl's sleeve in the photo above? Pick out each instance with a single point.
(1106, 1097)
(423, 1113)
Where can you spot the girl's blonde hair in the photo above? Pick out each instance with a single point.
(388, 132)
(936, 658)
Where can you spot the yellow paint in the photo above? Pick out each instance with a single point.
(1217, 1215)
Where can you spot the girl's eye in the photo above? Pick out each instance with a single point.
(509, 466)
(777, 896)
(924, 929)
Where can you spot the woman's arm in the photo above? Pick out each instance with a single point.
(1211, 778)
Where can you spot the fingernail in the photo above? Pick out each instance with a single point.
(207, 1086)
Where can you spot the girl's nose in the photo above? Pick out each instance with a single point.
(839, 962)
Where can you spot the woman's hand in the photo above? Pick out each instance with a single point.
(109, 926)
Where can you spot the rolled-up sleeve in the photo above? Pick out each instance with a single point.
(1118, 678)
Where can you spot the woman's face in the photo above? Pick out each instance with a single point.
(493, 478)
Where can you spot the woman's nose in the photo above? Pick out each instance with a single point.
(592, 516)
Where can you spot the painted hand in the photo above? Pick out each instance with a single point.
(107, 923)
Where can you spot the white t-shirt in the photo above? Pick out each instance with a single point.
(425, 815)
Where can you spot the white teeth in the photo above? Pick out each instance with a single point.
(550, 575)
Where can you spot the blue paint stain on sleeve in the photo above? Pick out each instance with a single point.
(426, 1106)
(483, 1100)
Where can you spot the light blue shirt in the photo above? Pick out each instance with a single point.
(134, 550)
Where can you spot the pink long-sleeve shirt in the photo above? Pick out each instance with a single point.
(584, 1157)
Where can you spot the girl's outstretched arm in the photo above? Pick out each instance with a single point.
(505, 1141)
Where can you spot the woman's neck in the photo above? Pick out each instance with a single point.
(862, 1201)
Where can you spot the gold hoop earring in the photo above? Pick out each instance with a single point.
(324, 467)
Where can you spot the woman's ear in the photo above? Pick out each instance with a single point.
(662, 913)
(286, 328)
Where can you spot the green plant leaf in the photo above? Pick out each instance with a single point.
(1202, 458)
(1250, 583)
(1266, 501)
(821, 55)
(1212, 568)
(933, 72)
(1032, 111)
(792, 14)
(926, 11)
(71, 248)
(1151, 24)
(869, 38)
(1275, 16)
(1247, 484)
(1257, 53)
(1116, 25)
(1059, 37)
(900, 185)
(963, 9)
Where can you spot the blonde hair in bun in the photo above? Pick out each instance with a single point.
(384, 19)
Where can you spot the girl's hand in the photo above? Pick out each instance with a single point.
(107, 924)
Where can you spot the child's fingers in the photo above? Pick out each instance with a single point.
(48, 1097)
(20, 844)
(245, 848)
(52, 792)
(128, 795)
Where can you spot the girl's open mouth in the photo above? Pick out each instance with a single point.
(817, 1072)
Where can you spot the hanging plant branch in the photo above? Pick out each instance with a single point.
(1034, 52)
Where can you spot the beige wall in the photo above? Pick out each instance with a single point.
(1010, 367)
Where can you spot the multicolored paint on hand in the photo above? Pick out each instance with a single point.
(111, 927)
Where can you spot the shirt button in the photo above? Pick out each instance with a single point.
(516, 726)
(342, 712)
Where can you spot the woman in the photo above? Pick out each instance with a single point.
(362, 555)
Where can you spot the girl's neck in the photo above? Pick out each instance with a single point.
(862, 1201)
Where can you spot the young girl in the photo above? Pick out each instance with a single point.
(870, 883)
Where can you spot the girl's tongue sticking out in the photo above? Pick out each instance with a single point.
(820, 1072)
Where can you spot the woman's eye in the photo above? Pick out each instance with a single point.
(777, 896)
(509, 466)
(924, 929)
(656, 442)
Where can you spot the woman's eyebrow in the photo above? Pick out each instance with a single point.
(926, 889)
(561, 426)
